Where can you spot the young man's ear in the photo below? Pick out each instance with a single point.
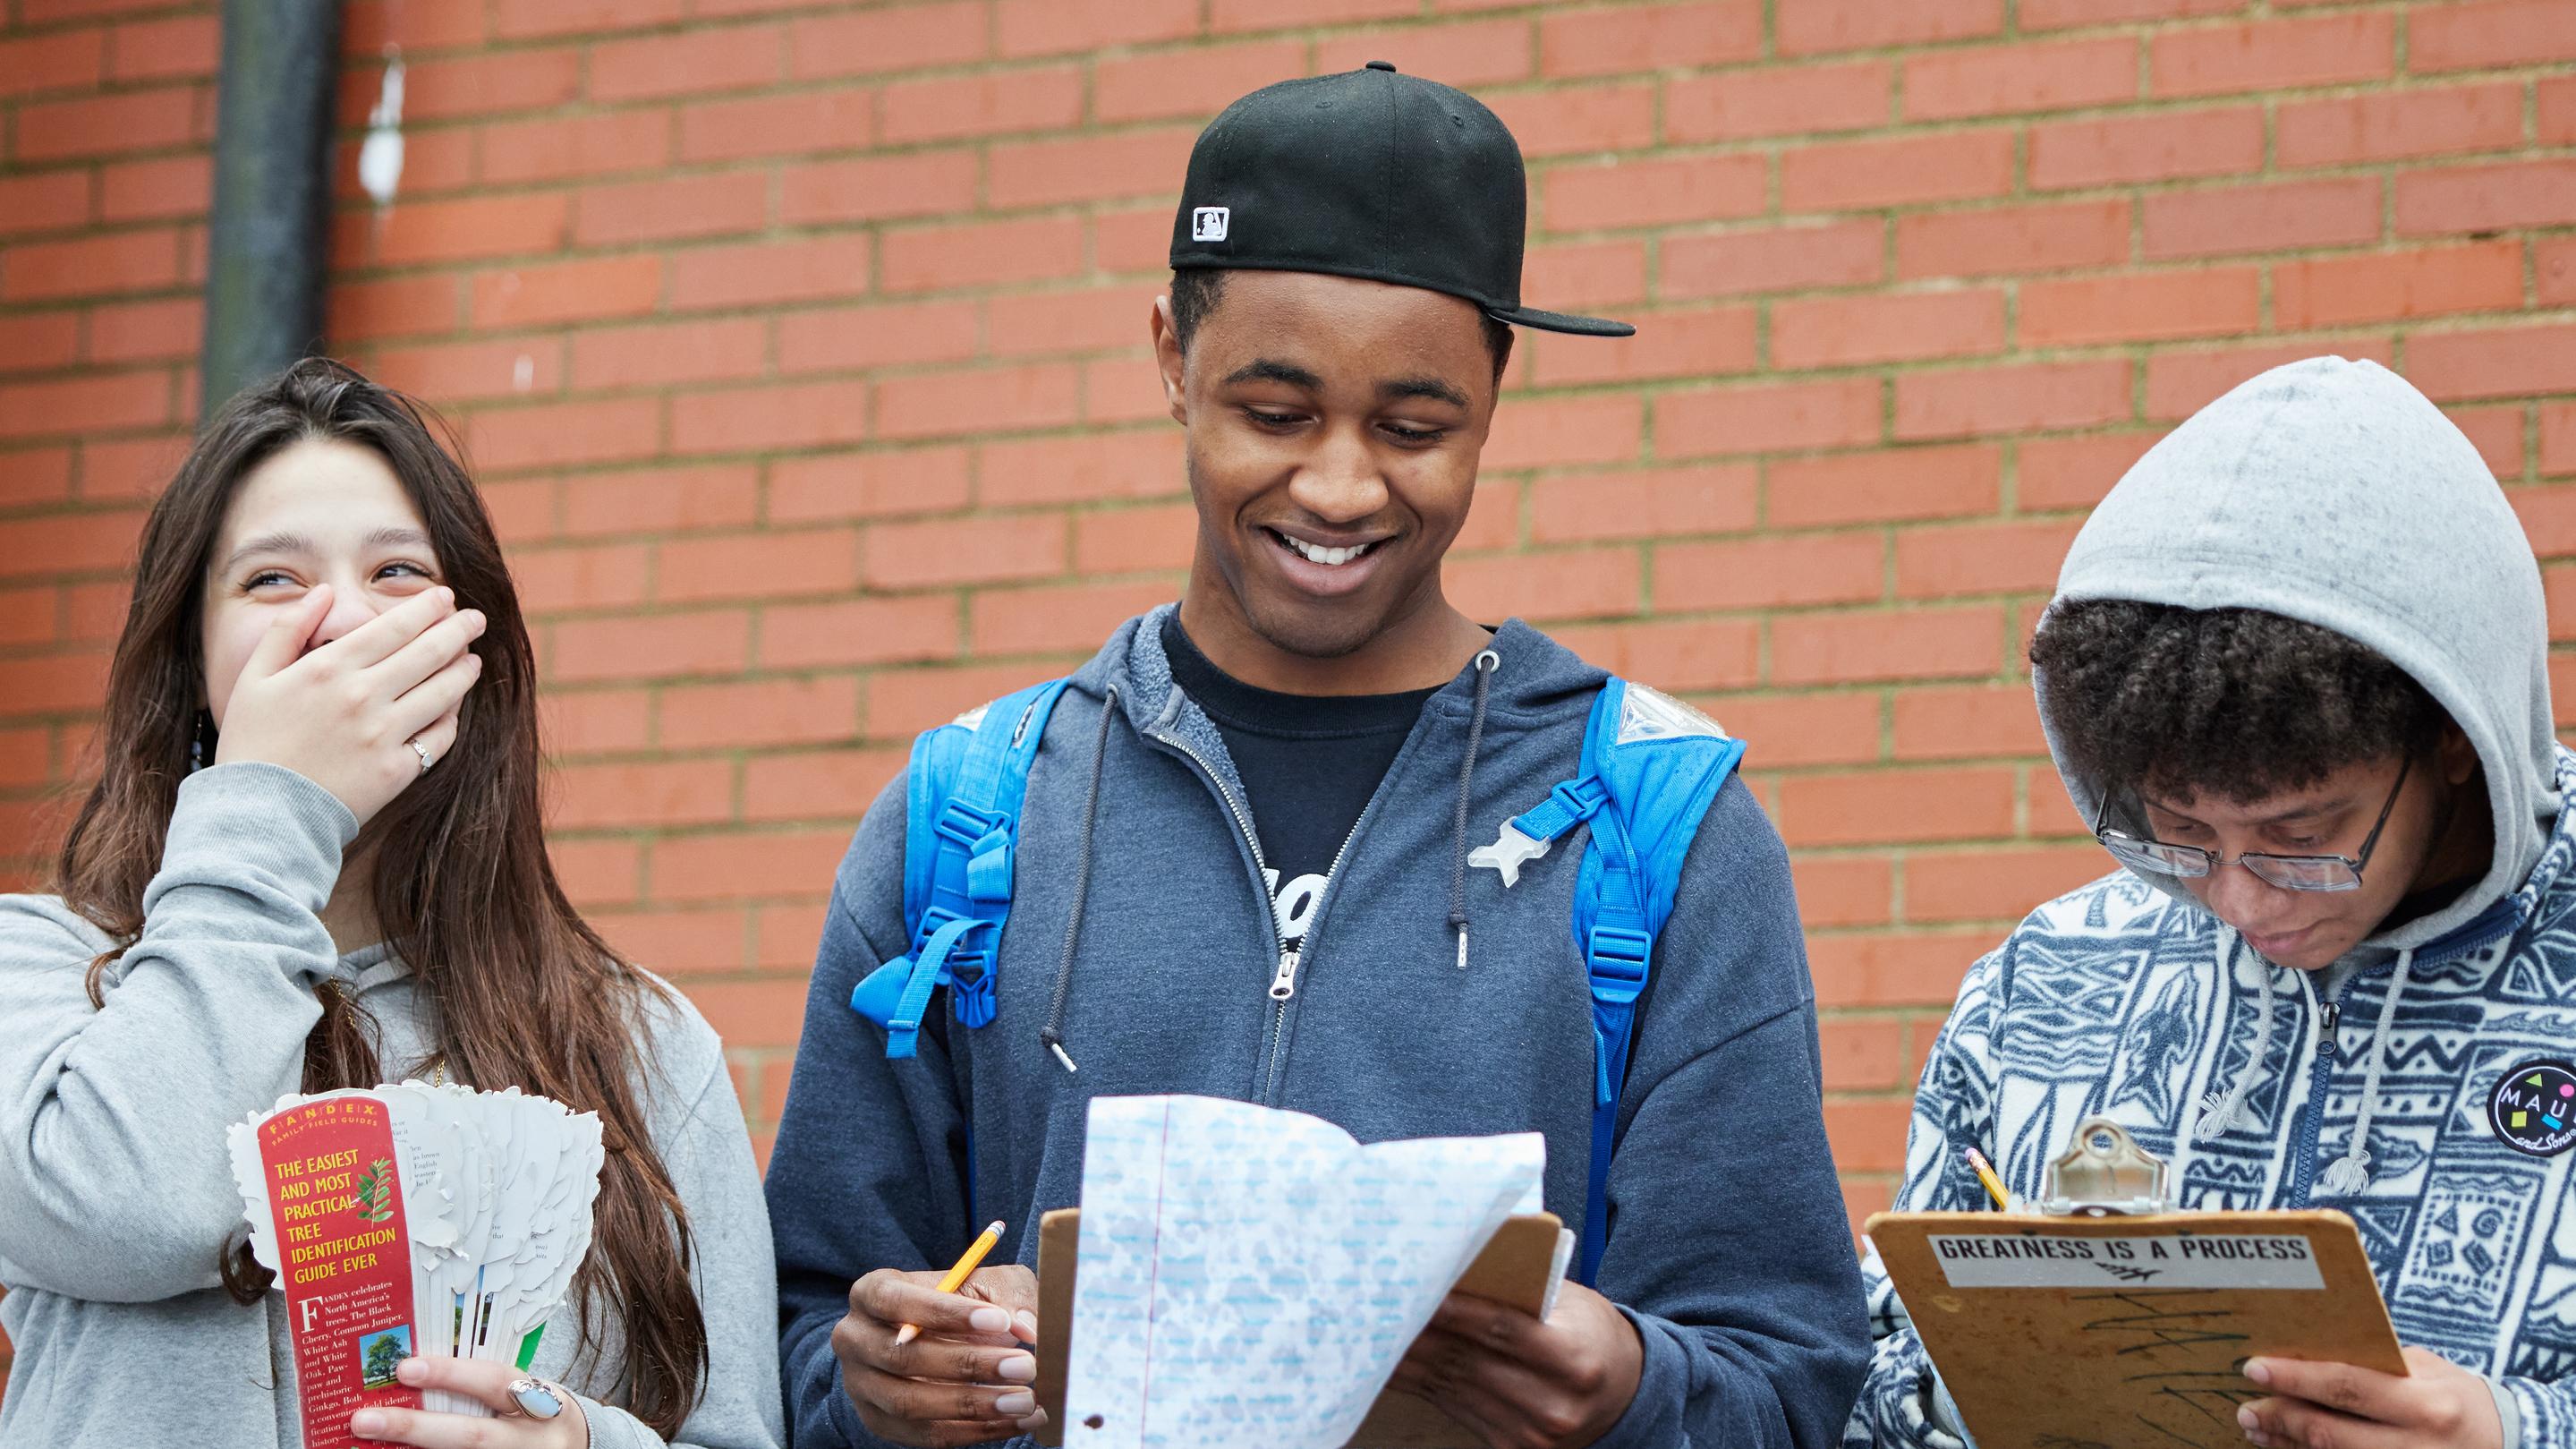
(2459, 758)
(1169, 361)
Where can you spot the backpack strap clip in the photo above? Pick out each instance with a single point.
(1616, 959)
(1570, 804)
(968, 779)
(1526, 837)
(1651, 767)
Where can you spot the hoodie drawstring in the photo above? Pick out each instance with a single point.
(1487, 661)
(1053, 1032)
(2349, 1175)
(2224, 1112)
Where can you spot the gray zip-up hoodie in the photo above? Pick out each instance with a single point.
(116, 1194)
(2331, 492)
(1727, 1242)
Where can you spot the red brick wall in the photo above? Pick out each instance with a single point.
(800, 347)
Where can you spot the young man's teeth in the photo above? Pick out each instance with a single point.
(1314, 554)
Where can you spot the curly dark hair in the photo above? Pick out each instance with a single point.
(2236, 703)
(1197, 290)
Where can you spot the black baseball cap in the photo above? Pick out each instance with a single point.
(1371, 174)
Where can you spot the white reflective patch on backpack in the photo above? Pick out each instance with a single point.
(973, 717)
(1646, 713)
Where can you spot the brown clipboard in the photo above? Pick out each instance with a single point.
(1516, 1268)
(2122, 1361)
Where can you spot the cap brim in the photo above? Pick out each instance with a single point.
(1560, 322)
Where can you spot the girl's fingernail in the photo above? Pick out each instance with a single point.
(2247, 1421)
(411, 1371)
(2257, 1370)
(366, 1423)
(1032, 1423)
(989, 1320)
(1028, 1323)
(1020, 1368)
(1016, 1403)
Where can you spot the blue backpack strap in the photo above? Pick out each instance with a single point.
(967, 781)
(1651, 768)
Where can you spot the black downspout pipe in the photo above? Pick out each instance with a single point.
(268, 245)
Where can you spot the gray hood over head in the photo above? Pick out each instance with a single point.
(2333, 492)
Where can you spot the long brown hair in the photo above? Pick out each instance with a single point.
(525, 993)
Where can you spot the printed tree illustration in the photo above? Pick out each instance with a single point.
(382, 1355)
(375, 1191)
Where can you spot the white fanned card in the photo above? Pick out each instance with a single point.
(486, 1196)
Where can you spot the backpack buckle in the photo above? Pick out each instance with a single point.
(1510, 851)
(975, 1001)
(1616, 957)
(1580, 799)
(964, 965)
(964, 826)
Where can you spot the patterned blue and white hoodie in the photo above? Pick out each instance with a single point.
(2328, 491)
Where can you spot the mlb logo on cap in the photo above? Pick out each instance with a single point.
(1207, 224)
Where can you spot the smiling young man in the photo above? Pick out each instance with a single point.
(2296, 676)
(1241, 871)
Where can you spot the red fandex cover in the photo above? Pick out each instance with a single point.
(344, 1259)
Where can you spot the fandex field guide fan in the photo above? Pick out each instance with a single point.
(414, 1220)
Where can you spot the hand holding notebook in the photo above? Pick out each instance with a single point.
(1240, 1275)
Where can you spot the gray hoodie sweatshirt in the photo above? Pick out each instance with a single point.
(2332, 492)
(1141, 922)
(115, 1193)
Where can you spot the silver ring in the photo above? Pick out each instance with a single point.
(536, 1398)
(421, 750)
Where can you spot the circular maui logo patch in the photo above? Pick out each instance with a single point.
(2533, 1108)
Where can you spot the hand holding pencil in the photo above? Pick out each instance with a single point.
(955, 1278)
(943, 1357)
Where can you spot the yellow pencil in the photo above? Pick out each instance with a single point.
(1986, 1175)
(956, 1277)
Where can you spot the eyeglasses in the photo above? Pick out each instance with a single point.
(2289, 872)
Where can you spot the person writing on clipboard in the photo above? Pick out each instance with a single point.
(2296, 678)
(1243, 869)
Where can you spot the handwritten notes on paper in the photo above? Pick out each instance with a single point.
(2167, 1260)
(1251, 1277)
(2183, 1350)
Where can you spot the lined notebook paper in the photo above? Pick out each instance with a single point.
(1251, 1276)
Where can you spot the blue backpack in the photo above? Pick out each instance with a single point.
(1651, 768)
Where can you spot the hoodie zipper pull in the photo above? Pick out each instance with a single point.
(2327, 1020)
(1284, 984)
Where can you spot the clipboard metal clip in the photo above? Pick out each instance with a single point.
(2103, 1173)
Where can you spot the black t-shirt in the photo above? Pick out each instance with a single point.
(1308, 762)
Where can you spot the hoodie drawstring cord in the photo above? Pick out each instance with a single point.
(2223, 1112)
(2349, 1175)
(1487, 661)
(1053, 1032)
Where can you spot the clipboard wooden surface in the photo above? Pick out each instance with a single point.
(2050, 1337)
(1516, 1269)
